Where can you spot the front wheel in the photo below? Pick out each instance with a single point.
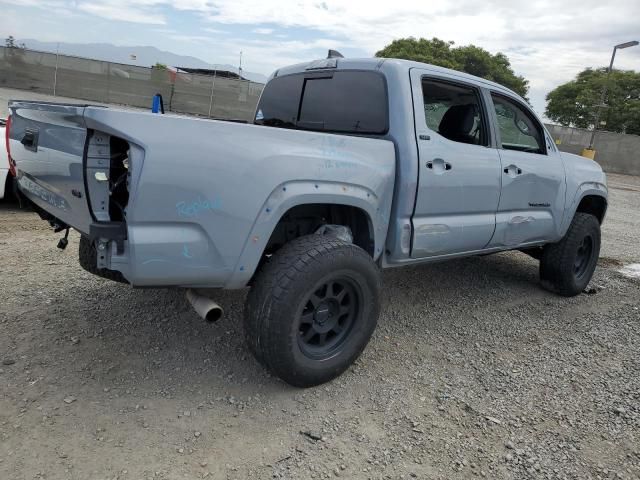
(566, 267)
(312, 309)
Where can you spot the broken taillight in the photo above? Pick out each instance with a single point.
(12, 167)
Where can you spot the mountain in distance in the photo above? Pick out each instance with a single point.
(145, 56)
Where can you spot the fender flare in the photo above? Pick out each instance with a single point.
(295, 193)
(584, 189)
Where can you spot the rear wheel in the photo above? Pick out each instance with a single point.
(566, 267)
(312, 309)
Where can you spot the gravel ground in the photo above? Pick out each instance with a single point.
(474, 371)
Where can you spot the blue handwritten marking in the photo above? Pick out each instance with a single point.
(334, 154)
(331, 146)
(185, 251)
(193, 209)
(337, 164)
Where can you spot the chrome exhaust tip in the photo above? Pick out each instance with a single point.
(205, 307)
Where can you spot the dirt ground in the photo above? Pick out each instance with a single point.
(474, 371)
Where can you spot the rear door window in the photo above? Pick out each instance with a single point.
(454, 111)
(343, 102)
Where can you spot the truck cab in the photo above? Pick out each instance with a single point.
(476, 170)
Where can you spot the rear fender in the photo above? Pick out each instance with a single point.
(295, 193)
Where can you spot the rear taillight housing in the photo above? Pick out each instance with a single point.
(12, 167)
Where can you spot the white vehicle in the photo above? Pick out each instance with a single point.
(5, 173)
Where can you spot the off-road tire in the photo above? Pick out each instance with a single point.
(87, 255)
(560, 268)
(277, 302)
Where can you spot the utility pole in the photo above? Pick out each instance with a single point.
(55, 73)
(213, 86)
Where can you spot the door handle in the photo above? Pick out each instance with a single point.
(439, 165)
(513, 170)
(30, 139)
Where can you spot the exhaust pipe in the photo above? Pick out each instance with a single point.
(204, 306)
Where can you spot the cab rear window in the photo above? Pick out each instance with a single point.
(344, 102)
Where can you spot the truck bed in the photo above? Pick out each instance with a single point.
(178, 201)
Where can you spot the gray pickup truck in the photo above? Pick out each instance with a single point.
(350, 166)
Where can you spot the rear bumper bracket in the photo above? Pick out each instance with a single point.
(116, 231)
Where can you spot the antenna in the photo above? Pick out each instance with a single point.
(334, 54)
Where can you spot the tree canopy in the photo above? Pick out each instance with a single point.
(10, 42)
(470, 59)
(574, 103)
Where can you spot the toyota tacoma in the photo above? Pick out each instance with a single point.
(350, 166)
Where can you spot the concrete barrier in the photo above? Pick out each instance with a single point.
(615, 152)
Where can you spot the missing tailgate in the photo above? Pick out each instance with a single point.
(107, 177)
(118, 179)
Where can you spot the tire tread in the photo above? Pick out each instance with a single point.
(272, 286)
(556, 264)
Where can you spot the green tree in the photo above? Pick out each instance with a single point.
(470, 59)
(574, 103)
(10, 42)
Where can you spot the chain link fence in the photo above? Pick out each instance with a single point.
(217, 96)
(214, 96)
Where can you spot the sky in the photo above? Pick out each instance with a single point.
(548, 42)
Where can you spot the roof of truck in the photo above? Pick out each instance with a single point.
(392, 63)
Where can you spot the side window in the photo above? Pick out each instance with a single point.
(454, 111)
(519, 130)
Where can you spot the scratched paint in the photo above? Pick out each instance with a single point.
(519, 229)
(196, 207)
(518, 220)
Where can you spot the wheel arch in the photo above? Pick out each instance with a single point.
(595, 205)
(358, 202)
(305, 218)
(590, 198)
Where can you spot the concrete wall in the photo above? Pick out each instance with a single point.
(130, 85)
(615, 152)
